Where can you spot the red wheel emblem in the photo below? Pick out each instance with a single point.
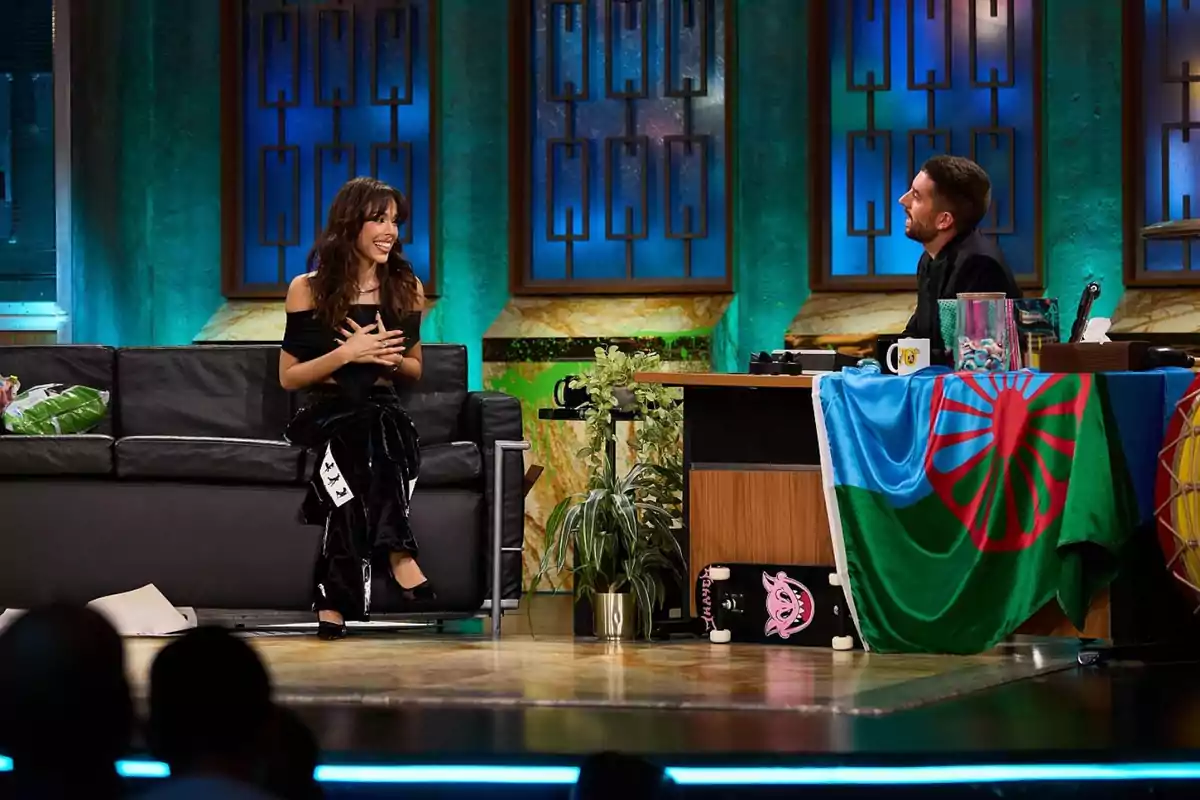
(1000, 452)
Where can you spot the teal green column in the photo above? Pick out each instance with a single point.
(767, 89)
(1082, 188)
(473, 213)
(146, 167)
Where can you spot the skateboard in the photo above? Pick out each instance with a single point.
(774, 604)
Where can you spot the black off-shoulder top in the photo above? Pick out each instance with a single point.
(307, 338)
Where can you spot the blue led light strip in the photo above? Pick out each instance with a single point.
(730, 776)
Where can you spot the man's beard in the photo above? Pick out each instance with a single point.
(918, 232)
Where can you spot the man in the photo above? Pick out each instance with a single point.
(948, 199)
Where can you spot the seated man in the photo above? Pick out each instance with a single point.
(946, 202)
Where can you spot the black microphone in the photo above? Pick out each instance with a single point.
(1090, 293)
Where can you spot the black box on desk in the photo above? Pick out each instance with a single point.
(819, 360)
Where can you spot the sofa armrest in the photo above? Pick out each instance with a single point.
(487, 418)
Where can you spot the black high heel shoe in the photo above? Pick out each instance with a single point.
(423, 592)
(330, 631)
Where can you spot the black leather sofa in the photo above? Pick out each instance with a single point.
(189, 486)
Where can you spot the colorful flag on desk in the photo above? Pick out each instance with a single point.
(961, 504)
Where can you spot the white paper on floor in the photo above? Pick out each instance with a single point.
(142, 612)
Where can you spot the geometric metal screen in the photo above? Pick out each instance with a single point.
(27, 200)
(626, 159)
(330, 90)
(909, 79)
(1169, 96)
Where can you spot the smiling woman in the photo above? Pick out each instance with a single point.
(353, 331)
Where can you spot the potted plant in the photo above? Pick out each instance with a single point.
(621, 531)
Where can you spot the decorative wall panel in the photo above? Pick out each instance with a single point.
(1169, 134)
(625, 170)
(908, 79)
(329, 90)
(27, 208)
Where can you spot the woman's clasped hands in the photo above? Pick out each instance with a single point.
(370, 344)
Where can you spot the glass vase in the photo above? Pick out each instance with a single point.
(981, 333)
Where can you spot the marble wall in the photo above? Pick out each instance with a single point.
(849, 321)
(1158, 311)
(535, 342)
(852, 322)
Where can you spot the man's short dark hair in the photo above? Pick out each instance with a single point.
(961, 187)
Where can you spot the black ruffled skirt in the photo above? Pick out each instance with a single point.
(367, 460)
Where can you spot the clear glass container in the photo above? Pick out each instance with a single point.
(982, 333)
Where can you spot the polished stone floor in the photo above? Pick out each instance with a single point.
(405, 697)
(407, 668)
(541, 695)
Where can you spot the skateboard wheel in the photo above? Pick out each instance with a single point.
(720, 635)
(718, 574)
(835, 579)
(840, 642)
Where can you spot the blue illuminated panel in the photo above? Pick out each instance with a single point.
(480, 775)
(28, 263)
(331, 91)
(1171, 67)
(628, 151)
(914, 78)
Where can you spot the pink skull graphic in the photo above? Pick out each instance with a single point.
(790, 606)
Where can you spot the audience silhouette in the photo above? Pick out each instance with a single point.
(291, 758)
(210, 715)
(65, 710)
(66, 717)
(616, 775)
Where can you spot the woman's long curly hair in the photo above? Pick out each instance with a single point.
(334, 258)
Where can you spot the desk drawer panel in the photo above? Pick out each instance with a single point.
(767, 516)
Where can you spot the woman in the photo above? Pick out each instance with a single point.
(353, 332)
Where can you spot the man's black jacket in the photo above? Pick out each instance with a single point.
(968, 263)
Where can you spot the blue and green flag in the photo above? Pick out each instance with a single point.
(960, 504)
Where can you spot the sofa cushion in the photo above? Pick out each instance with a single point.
(227, 391)
(197, 458)
(81, 454)
(70, 365)
(435, 403)
(451, 464)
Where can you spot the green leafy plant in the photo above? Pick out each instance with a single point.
(621, 543)
(622, 528)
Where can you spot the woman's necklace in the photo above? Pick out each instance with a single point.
(369, 290)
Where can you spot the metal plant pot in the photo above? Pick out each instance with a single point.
(613, 616)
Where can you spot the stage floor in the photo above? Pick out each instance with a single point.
(412, 697)
(541, 696)
(410, 668)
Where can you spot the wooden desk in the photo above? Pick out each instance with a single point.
(752, 472)
(725, 380)
(752, 481)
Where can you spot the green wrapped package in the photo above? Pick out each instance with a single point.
(55, 410)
